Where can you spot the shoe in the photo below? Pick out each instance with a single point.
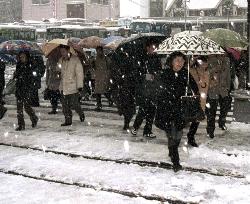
(98, 108)
(52, 112)
(66, 124)
(223, 127)
(133, 132)
(192, 143)
(211, 135)
(111, 103)
(149, 135)
(19, 128)
(82, 118)
(177, 167)
(125, 127)
(34, 122)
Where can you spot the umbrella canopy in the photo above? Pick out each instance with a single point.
(234, 52)
(48, 47)
(114, 44)
(90, 42)
(8, 58)
(188, 32)
(225, 37)
(135, 46)
(15, 46)
(189, 45)
(111, 39)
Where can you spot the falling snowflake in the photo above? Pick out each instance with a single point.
(126, 146)
(6, 134)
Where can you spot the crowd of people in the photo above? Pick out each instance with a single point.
(146, 82)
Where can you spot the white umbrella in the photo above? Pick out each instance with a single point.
(189, 45)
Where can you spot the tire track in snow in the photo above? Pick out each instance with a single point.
(163, 165)
(97, 188)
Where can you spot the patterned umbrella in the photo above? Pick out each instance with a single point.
(189, 45)
(15, 46)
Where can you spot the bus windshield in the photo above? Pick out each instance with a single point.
(14, 32)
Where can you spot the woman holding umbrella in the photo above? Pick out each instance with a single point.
(24, 85)
(173, 82)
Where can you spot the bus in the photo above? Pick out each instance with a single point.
(165, 27)
(75, 21)
(77, 31)
(17, 32)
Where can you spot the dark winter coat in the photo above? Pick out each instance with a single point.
(38, 71)
(146, 88)
(123, 83)
(172, 86)
(2, 78)
(24, 80)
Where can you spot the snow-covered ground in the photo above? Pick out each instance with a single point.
(97, 162)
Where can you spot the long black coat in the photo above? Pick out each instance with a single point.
(24, 80)
(172, 86)
(38, 69)
(146, 89)
(2, 78)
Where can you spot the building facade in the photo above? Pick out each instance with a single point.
(135, 8)
(10, 10)
(92, 10)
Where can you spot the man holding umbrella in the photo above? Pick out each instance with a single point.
(71, 84)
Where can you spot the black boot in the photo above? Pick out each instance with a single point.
(175, 159)
(68, 122)
(2, 112)
(20, 127)
(82, 117)
(34, 121)
(191, 141)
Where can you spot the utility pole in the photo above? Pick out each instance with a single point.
(248, 35)
(185, 12)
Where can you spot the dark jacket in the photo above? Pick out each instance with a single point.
(2, 78)
(172, 85)
(38, 71)
(146, 88)
(24, 82)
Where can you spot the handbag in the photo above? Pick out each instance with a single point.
(190, 105)
(191, 109)
(10, 87)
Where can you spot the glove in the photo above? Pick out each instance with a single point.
(80, 90)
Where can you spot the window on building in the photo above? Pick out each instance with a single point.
(105, 2)
(40, 1)
(95, 1)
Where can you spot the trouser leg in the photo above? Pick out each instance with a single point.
(29, 110)
(65, 99)
(225, 105)
(192, 130)
(211, 114)
(139, 118)
(174, 139)
(20, 116)
(149, 115)
(55, 96)
(76, 105)
(99, 100)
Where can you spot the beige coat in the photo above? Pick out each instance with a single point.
(220, 77)
(71, 75)
(101, 75)
(202, 79)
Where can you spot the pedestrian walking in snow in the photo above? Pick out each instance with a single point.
(101, 66)
(146, 85)
(71, 84)
(218, 92)
(53, 78)
(24, 85)
(172, 86)
(2, 84)
(199, 72)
